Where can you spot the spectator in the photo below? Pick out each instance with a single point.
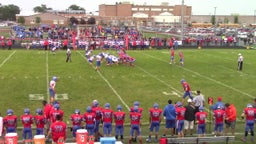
(189, 117)
(169, 114)
(57, 130)
(230, 118)
(218, 103)
(198, 100)
(249, 114)
(9, 43)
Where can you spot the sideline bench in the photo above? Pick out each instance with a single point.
(199, 140)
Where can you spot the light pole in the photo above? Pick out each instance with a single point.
(182, 20)
(214, 24)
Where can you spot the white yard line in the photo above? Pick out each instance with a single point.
(112, 88)
(5, 60)
(203, 76)
(47, 76)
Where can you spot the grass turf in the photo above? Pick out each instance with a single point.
(152, 79)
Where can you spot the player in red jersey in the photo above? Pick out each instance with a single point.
(27, 121)
(57, 130)
(107, 118)
(218, 117)
(201, 124)
(90, 119)
(40, 121)
(56, 111)
(119, 117)
(76, 120)
(181, 58)
(180, 110)
(46, 112)
(154, 121)
(10, 122)
(172, 56)
(249, 114)
(140, 110)
(187, 90)
(135, 118)
(98, 112)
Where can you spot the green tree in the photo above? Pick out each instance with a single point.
(213, 20)
(226, 20)
(8, 12)
(75, 7)
(236, 19)
(21, 20)
(91, 20)
(38, 20)
(41, 9)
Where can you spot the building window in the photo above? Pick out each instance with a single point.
(134, 9)
(146, 9)
(32, 21)
(170, 9)
(55, 21)
(155, 9)
(141, 9)
(164, 9)
(61, 21)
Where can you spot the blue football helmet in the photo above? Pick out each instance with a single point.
(26, 111)
(89, 109)
(119, 107)
(155, 105)
(77, 111)
(9, 112)
(107, 105)
(39, 111)
(136, 103)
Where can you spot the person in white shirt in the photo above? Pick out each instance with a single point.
(198, 100)
(68, 55)
(240, 62)
(52, 91)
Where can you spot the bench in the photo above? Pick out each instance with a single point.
(199, 140)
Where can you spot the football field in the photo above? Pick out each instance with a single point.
(25, 76)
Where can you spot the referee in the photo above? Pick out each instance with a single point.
(240, 62)
(198, 100)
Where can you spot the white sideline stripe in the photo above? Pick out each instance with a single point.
(5, 60)
(198, 74)
(112, 88)
(47, 76)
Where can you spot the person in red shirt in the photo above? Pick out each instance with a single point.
(56, 111)
(46, 43)
(89, 117)
(3, 44)
(249, 114)
(98, 112)
(135, 117)
(9, 43)
(140, 110)
(76, 120)
(10, 122)
(170, 44)
(201, 121)
(107, 118)
(57, 130)
(230, 118)
(27, 121)
(119, 117)
(172, 56)
(154, 121)
(46, 112)
(218, 117)
(181, 55)
(187, 90)
(40, 122)
(65, 44)
(180, 110)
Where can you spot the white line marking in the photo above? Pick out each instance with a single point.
(5, 60)
(112, 88)
(47, 78)
(208, 78)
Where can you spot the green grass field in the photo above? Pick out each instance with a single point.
(152, 79)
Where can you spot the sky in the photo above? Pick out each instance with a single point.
(199, 7)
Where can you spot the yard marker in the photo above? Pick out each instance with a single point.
(112, 88)
(5, 60)
(203, 76)
(47, 76)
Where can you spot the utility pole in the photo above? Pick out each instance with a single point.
(215, 19)
(182, 20)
